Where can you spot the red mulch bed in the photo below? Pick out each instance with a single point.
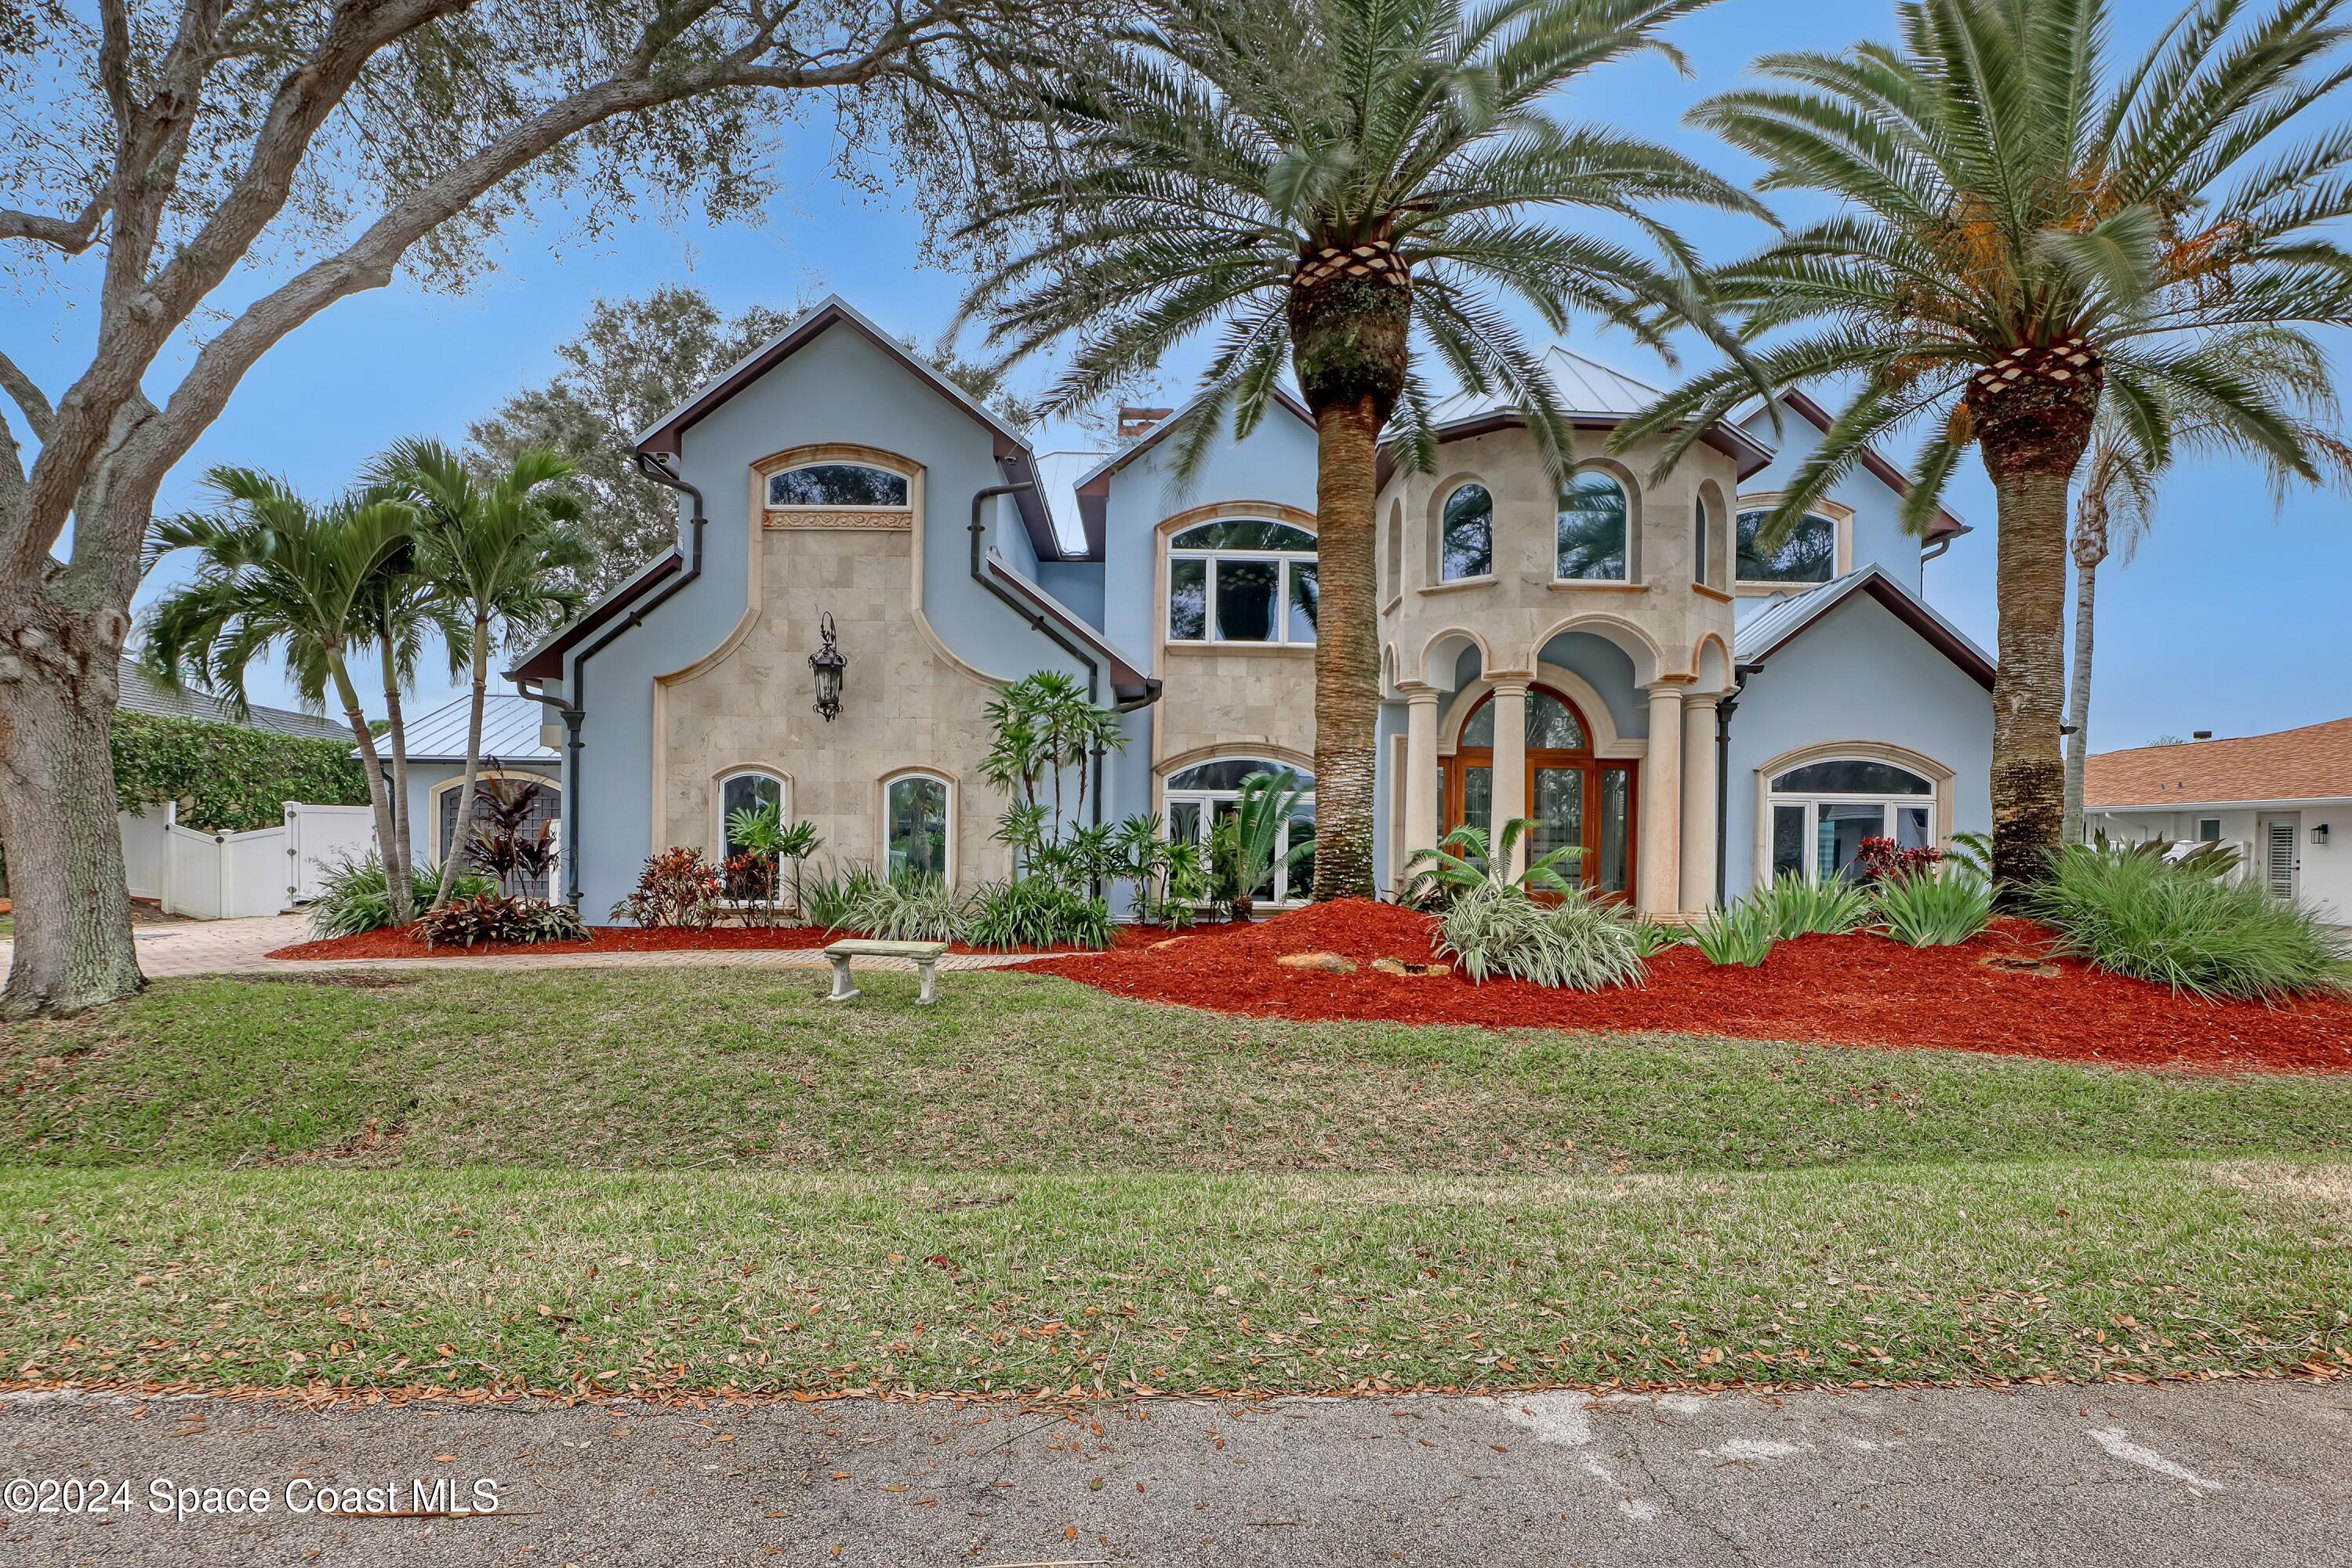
(631, 939)
(1857, 990)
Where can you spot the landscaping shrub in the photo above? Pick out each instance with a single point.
(1923, 910)
(676, 888)
(1741, 932)
(1465, 860)
(490, 918)
(1654, 937)
(1882, 859)
(227, 778)
(829, 900)
(907, 907)
(1580, 943)
(353, 898)
(2135, 914)
(1035, 911)
(1799, 906)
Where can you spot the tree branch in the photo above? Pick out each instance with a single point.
(28, 397)
(71, 234)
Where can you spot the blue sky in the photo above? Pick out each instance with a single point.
(2232, 617)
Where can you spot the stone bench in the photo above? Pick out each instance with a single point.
(925, 956)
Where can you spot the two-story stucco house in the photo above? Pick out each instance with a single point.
(1616, 660)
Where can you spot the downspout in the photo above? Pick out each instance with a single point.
(575, 704)
(1723, 709)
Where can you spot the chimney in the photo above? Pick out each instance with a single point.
(2201, 734)
(1135, 423)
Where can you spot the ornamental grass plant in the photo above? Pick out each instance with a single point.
(2138, 914)
(1579, 943)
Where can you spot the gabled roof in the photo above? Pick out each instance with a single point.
(2314, 763)
(545, 662)
(1772, 628)
(1945, 524)
(510, 731)
(1591, 395)
(1127, 681)
(140, 692)
(1093, 486)
(667, 433)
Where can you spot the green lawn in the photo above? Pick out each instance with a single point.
(705, 1178)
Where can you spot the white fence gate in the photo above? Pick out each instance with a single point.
(228, 876)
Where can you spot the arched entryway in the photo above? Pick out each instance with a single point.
(1573, 796)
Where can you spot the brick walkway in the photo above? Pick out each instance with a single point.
(236, 947)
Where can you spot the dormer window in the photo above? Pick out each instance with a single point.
(1809, 554)
(1242, 580)
(837, 485)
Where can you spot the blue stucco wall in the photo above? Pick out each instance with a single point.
(1878, 536)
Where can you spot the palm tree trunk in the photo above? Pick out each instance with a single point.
(451, 859)
(396, 728)
(378, 792)
(2029, 777)
(2090, 550)
(1347, 647)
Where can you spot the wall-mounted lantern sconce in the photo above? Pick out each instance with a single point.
(2319, 834)
(828, 663)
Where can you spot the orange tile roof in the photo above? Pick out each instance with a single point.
(2314, 763)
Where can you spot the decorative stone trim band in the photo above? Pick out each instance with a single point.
(821, 519)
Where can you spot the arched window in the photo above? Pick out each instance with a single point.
(747, 789)
(1574, 798)
(1822, 811)
(1702, 545)
(919, 826)
(1242, 580)
(1198, 796)
(837, 485)
(1594, 533)
(1396, 549)
(537, 803)
(1465, 542)
(1808, 556)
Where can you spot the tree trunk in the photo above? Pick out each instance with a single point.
(378, 794)
(73, 947)
(1346, 649)
(454, 857)
(2028, 783)
(403, 848)
(2090, 550)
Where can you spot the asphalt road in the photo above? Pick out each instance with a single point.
(2246, 1475)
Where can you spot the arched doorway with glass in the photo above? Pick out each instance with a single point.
(1573, 797)
(1821, 812)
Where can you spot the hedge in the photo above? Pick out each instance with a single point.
(228, 779)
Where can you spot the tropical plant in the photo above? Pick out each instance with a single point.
(2116, 487)
(503, 558)
(275, 572)
(1923, 910)
(492, 917)
(1797, 906)
(1879, 859)
(1035, 912)
(399, 613)
(2016, 231)
(1579, 943)
(754, 874)
(830, 899)
(1654, 937)
(1245, 843)
(1741, 932)
(2136, 914)
(1329, 182)
(352, 897)
(1040, 728)
(676, 888)
(907, 907)
(1462, 861)
(503, 842)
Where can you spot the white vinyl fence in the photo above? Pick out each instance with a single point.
(228, 876)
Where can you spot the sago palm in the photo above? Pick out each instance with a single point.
(2116, 493)
(2017, 230)
(502, 557)
(1332, 185)
(275, 572)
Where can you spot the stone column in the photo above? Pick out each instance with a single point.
(1420, 770)
(1657, 881)
(1511, 760)
(1699, 803)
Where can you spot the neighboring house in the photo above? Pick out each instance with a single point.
(140, 692)
(1570, 656)
(512, 748)
(2283, 800)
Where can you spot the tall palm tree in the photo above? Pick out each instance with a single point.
(403, 609)
(2017, 230)
(504, 557)
(274, 571)
(1332, 184)
(2116, 491)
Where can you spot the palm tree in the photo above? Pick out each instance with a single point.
(273, 571)
(2017, 231)
(503, 557)
(1332, 183)
(401, 610)
(2115, 496)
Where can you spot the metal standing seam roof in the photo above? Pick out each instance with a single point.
(510, 731)
(140, 692)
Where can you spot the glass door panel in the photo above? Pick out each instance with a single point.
(1788, 840)
(1614, 872)
(1556, 801)
(1479, 797)
(1840, 828)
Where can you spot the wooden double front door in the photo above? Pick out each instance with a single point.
(1572, 797)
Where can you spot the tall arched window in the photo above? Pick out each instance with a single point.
(919, 826)
(1809, 554)
(1242, 580)
(745, 789)
(837, 485)
(1465, 540)
(1594, 533)
(1702, 545)
(1198, 796)
(1573, 797)
(1822, 811)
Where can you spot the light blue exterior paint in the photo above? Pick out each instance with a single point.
(1878, 536)
(423, 778)
(1856, 674)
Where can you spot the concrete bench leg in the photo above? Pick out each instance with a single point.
(930, 970)
(842, 989)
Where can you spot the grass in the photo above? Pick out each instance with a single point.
(700, 1179)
